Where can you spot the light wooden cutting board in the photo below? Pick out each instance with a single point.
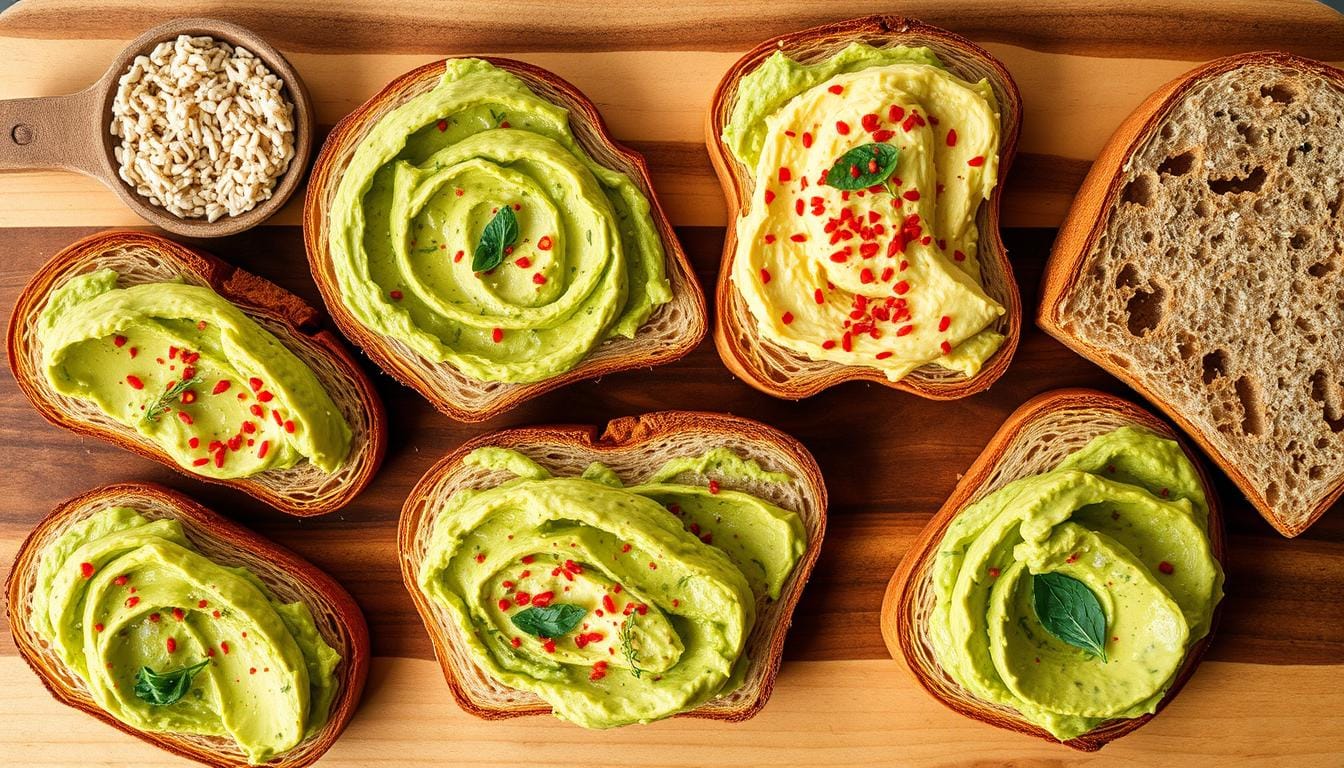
(1272, 688)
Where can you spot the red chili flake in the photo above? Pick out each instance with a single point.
(548, 645)
(201, 604)
(522, 598)
(118, 341)
(883, 355)
(625, 548)
(900, 288)
(171, 643)
(769, 239)
(786, 318)
(221, 386)
(944, 323)
(653, 566)
(869, 122)
(442, 125)
(836, 89)
(289, 426)
(895, 113)
(994, 573)
(951, 137)
(516, 642)
(201, 462)
(976, 162)
(98, 627)
(265, 447)
(528, 559)
(847, 342)
(769, 197)
(184, 417)
(134, 351)
(608, 603)
(154, 618)
(458, 256)
(86, 570)
(904, 330)
(798, 206)
(121, 580)
(505, 604)
(275, 414)
(543, 599)
(911, 194)
(480, 557)
(539, 278)
(545, 243)
(807, 139)
(172, 353)
(249, 427)
(255, 384)
(497, 335)
(1164, 493)
(714, 486)
(765, 276)
(886, 274)
(819, 297)
(1166, 567)
(946, 347)
(958, 256)
(224, 646)
(135, 381)
(883, 135)
(841, 127)
(396, 295)
(854, 172)
(215, 614)
(785, 175)
(866, 276)
(599, 671)
(132, 601)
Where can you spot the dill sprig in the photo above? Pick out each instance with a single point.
(628, 645)
(165, 401)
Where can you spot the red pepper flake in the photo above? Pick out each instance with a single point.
(134, 381)
(255, 383)
(951, 137)
(221, 386)
(573, 567)
(714, 486)
(545, 243)
(1166, 567)
(539, 278)
(396, 295)
(599, 671)
(883, 355)
(769, 197)
(1164, 493)
(264, 449)
(765, 276)
(86, 570)
(798, 206)
(895, 113)
(786, 318)
(943, 323)
(769, 238)
(118, 341)
(836, 89)
(841, 127)
(548, 645)
(904, 330)
(818, 296)
(976, 162)
(900, 288)
(911, 194)
(609, 603)
(807, 139)
(134, 352)
(653, 566)
(854, 172)
(869, 122)
(121, 580)
(458, 256)
(543, 599)
(442, 125)
(946, 347)
(528, 559)
(828, 344)
(171, 644)
(866, 276)
(132, 601)
(480, 557)
(184, 417)
(98, 627)
(154, 618)
(516, 642)
(994, 573)
(523, 262)
(497, 335)
(505, 603)
(216, 614)
(625, 548)
(289, 426)
(201, 604)
(224, 646)
(785, 174)
(201, 462)
(179, 614)
(958, 256)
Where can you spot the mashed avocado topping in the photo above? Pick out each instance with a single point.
(187, 369)
(1124, 518)
(585, 263)
(614, 604)
(122, 599)
(859, 244)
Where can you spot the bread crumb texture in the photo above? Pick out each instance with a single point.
(1218, 280)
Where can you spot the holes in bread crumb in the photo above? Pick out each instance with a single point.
(1235, 185)
(1178, 165)
(1282, 93)
(1252, 412)
(1276, 323)
(1139, 191)
(1146, 308)
(1326, 392)
(1128, 277)
(1272, 493)
(1300, 239)
(1186, 345)
(1315, 473)
(1214, 365)
(1202, 209)
(1253, 135)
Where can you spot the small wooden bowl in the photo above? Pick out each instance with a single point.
(73, 132)
(1034, 439)
(783, 373)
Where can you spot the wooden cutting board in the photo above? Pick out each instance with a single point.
(1272, 688)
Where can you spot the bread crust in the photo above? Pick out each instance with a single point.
(1086, 220)
(902, 628)
(289, 318)
(339, 619)
(493, 399)
(623, 436)
(735, 332)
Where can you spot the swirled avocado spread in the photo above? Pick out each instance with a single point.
(187, 369)
(858, 245)
(167, 640)
(614, 604)
(1073, 596)
(473, 227)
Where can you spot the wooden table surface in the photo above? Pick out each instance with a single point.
(1271, 690)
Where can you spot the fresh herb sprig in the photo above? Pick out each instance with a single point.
(864, 166)
(628, 645)
(170, 395)
(497, 236)
(554, 620)
(162, 689)
(1069, 611)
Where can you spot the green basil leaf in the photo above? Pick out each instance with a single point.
(864, 166)
(168, 687)
(1069, 611)
(497, 235)
(555, 620)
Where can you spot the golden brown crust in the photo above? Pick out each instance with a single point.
(293, 322)
(735, 332)
(338, 616)
(901, 606)
(629, 439)
(492, 399)
(1086, 221)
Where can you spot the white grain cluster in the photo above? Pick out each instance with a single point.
(205, 130)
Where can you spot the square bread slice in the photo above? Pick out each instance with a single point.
(1203, 264)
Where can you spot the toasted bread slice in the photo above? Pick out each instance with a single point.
(780, 372)
(141, 257)
(1034, 439)
(1203, 264)
(674, 329)
(633, 447)
(288, 576)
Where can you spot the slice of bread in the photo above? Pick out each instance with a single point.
(780, 372)
(141, 257)
(1203, 264)
(288, 576)
(633, 447)
(1034, 439)
(674, 329)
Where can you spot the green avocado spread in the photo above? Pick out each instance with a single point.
(120, 598)
(650, 590)
(190, 371)
(1124, 517)
(859, 244)
(586, 265)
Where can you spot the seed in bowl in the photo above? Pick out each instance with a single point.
(205, 128)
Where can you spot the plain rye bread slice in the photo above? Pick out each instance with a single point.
(289, 577)
(141, 257)
(674, 329)
(633, 447)
(1034, 439)
(1203, 264)
(780, 372)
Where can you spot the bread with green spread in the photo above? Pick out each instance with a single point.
(863, 162)
(477, 232)
(679, 542)
(177, 356)
(142, 608)
(1080, 498)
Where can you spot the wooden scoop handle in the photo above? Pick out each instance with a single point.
(53, 132)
